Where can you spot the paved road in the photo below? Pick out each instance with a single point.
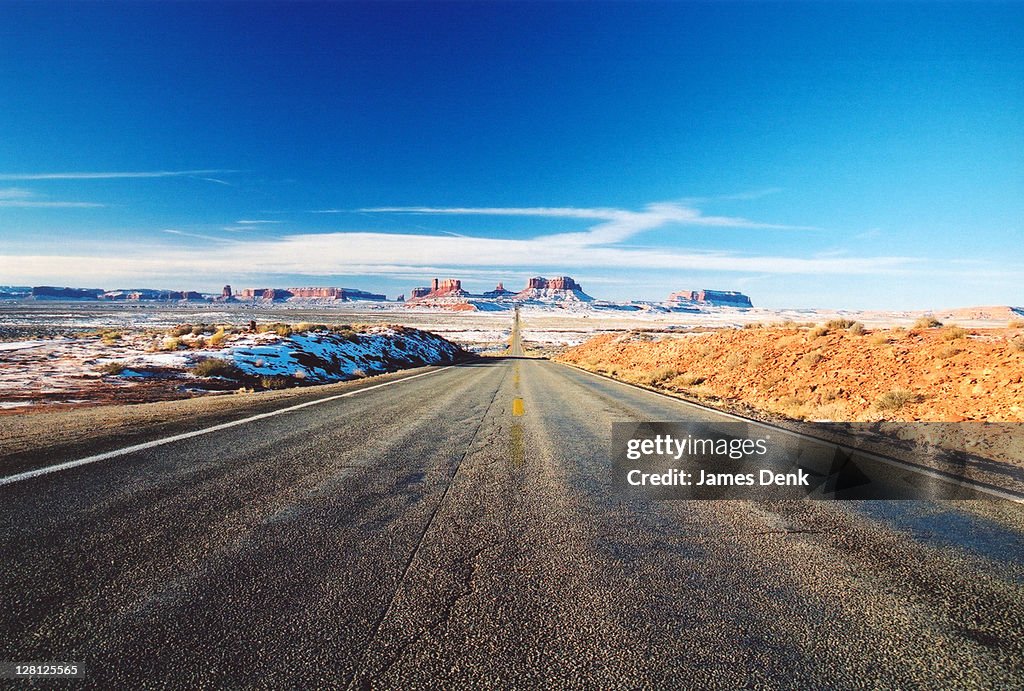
(458, 529)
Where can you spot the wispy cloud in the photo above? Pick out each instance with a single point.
(108, 175)
(618, 224)
(182, 233)
(15, 193)
(592, 251)
(251, 223)
(28, 204)
(21, 198)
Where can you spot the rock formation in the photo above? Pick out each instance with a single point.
(498, 292)
(318, 293)
(547, 289)
(439, 288)
(55, 293)
(712, 298)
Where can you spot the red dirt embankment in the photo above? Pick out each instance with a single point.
(840, 374)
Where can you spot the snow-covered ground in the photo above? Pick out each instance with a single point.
(139, 366)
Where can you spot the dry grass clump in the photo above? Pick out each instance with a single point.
(1015, 324)
(1017, 345)
(217, 339)
(953, 333)
(113, 368)
(306, 327)
(839, 324)
(179, 330)
(215, 367)
(659, 375)
(947, 351)
(272, 383)
(171, 343)
(879, 338)
(687, 380)
(819, 331)
(927, 323)
(733, 360)
(857, 329)
(110, 337)
(812, 358)
(280, 328)
(896, 399)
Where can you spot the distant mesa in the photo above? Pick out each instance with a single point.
(139, 294)
(559, 288)
(450, 294)
(710, 298)
(498, 292)
(55, 293)
(439, 288)
(331, 294)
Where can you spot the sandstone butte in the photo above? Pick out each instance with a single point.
(938, 374)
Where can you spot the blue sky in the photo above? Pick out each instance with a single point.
(825, 155)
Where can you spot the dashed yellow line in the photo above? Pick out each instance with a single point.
(517, 407)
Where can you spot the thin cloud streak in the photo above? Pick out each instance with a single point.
(31, 204)
(115, 175)
(619, 224)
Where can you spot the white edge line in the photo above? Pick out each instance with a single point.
(963, 482)
(29, 474)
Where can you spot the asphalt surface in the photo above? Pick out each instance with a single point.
(459, 529)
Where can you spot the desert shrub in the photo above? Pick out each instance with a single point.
(1017, 345)
(179, 330)
(199, 342)
(280, 328)
(114, 368)
(659, 375)
(688, 379)
(819, 331)
(879, 338)
(857, 329)
(953, 333)
(927, 323)
(170, 344)
(216, 339)
(792, 406)
(947, 351)
(215, 367)
(110, 337)
(839, 324)
(305, 327)
(753, 325)
(896, 399)
(274, 383)
(812, 358)
(733, 360)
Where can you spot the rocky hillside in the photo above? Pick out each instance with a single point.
(189, 360)
(838, 372)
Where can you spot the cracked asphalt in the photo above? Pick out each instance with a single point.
(435, 533)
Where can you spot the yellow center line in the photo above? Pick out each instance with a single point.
(517, 407)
